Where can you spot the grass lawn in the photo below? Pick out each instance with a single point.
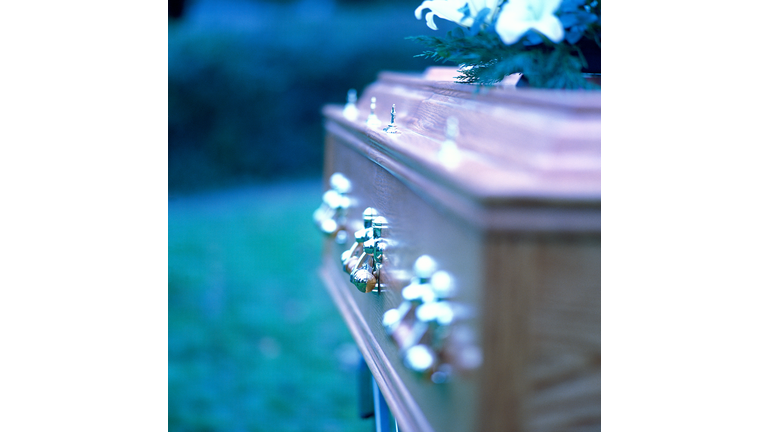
(254, 341)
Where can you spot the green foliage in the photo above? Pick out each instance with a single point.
(483, 57)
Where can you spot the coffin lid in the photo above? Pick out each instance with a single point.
(531, 147)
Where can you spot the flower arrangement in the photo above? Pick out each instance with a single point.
(539, 38)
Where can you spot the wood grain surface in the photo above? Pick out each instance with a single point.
(517, 223)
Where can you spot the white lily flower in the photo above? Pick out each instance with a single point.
(518, 16)
(461, 12)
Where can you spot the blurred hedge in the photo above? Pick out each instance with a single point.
(246, 82)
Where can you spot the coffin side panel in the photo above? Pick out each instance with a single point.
(541, 333)
(416, 227)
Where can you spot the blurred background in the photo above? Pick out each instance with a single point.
(247, 79)
(254, 341)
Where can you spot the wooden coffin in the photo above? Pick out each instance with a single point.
(510, 209)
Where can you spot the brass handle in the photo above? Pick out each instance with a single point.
(423, 324)
(364, 259)
(331, 216)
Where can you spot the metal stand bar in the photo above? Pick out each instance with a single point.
(370, 401)
(382, 413)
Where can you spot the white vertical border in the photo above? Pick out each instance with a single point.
(684, 320)
(83, 219)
